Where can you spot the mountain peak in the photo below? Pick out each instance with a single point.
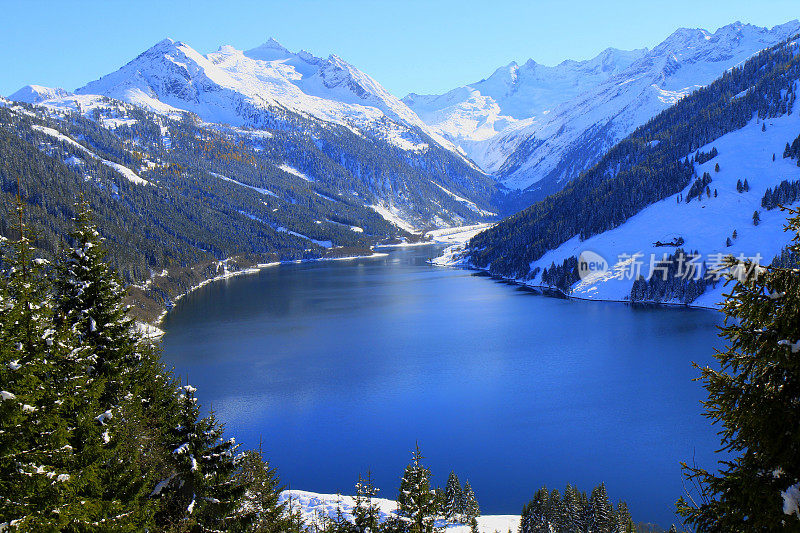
(33, 94)
(272, 44)
(268, 51)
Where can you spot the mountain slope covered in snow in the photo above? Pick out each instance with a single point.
(540, 149)
(511, 97)
(677, 182)
(251, 88)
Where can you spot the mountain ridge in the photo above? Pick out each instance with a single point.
(540, 154)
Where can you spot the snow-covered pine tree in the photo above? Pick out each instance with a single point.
(416, 500)
(201, 491)
(116, 418)
(452, 499)
(534, 517)
(586, 514)
(754, 396)
(573, 508)
(37, 474)
(470, 506)
(556, 511)
(602, 519)
(366, 514)
(622, 516)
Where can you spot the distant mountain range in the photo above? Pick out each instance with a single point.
(535, 127)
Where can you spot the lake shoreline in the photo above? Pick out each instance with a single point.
(153, 331)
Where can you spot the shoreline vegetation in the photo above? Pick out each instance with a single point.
(151, 301)
(450, 259)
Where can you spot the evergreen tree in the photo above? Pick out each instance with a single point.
(756, 218)
(754, 397)
(534, 518)
(113, 432)
(37, 474)
(624, 523)
(469, 505)
(366, 513)
(201, 491)
(453, 497)
(601, 520)
(259, 508)
(573, 508)
(556, 511)
(416, 500)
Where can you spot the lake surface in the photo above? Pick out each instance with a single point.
(342, 366)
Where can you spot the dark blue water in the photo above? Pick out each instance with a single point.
(342, 366)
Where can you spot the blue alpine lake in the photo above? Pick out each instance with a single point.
(342, 366)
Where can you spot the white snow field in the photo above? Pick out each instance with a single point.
(313, 506)
(704, 224)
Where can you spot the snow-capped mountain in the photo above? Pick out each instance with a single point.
(577, 133)
(248, 88)
(558, 139)
(513, 94)
(33, 94)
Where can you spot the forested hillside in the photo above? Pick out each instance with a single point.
(178, 195)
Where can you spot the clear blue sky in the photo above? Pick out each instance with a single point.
(409, 45)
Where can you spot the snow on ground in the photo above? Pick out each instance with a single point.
(704, 224)
(392, 214)
(257, 189)
(127, 173)
(324, 244)
(459, 234)
(149, 331)
(313, 506)
(466, 202)
(291, 170)
(457, 238)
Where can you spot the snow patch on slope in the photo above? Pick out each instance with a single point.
(127, 173)
(466, 202)
(291, 170)
(392, 214)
